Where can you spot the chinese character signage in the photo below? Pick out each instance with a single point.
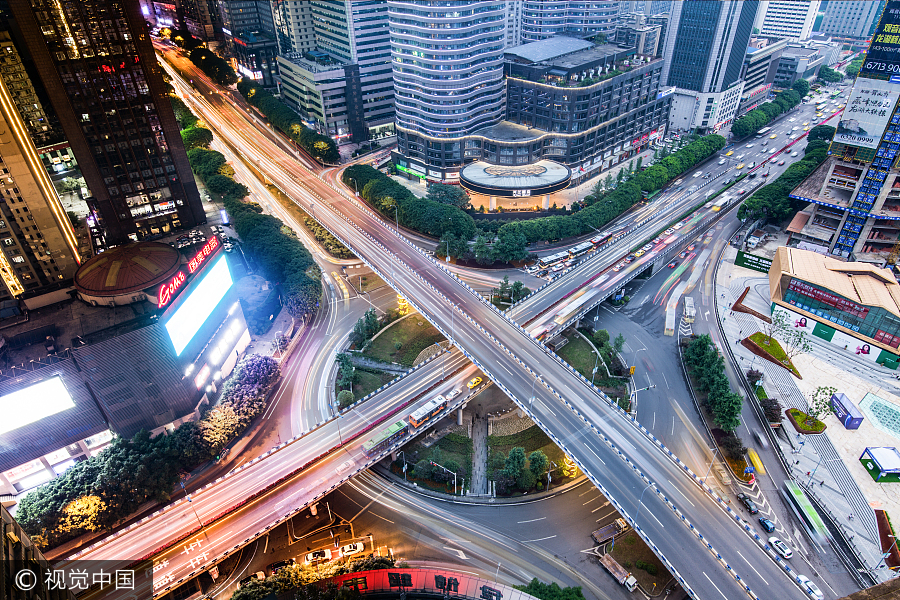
(867, 113)
(824, 297)
(883, 57)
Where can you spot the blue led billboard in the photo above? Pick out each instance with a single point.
(202, 297)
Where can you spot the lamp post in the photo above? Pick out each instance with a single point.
(716, 451)
(404, 464)
(191, 502)
(884, 555)
(534, 381)
(355, 188)
(813, 474)
(641, 502)
(596, 362)
(548, 474)
(448, 471)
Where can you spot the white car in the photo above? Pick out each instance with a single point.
(773, 150)
(722, 161)
(780, 547)
(351, 549)
(748, 146)
(647, 247)
(452, 394)
(794, 153)
(345, 466)
(698, 173)
(811, 587)
(318, 556)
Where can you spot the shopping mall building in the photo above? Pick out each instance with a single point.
(853, 305)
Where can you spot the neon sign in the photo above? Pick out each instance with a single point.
(167, 290)
(211, 244)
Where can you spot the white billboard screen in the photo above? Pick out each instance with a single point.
(867, 113)
(201, 301)
(34, 403)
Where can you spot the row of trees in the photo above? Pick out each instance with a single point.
(773, 200)
(758, 118)
(396, 202)
(513, 292)
(707, 368)
(320, 147)
(829, 75)
(282, 258)
(331, 244)
(602, 208)
(98, 493)
(214, 66)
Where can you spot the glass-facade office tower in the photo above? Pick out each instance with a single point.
(542, 19)
(792, 19)
(99, 74)
(448, 76)
(851, 19)
(293, 26)
(705, 46)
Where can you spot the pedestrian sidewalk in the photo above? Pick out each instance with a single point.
(812, 460)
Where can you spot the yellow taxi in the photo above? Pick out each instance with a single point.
(729, 153)
(806, 129)
(805, 124)
(639, 253)
(740, 166)
(840, 106)
(819, 115)
(474, 382)
(773, 136)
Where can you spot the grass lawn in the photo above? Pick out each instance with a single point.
(775, 351)
(530, 439)
(800, 418)
(453, 447)
(413, 334)
(367, 382)
(872, 470)
(628, 550)
(366, 283)
(581, 355)
(761, 392)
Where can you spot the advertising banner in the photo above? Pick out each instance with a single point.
(868, 112)
(883, 57)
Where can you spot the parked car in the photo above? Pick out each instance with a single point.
(318, 556)
(259, 576)
(780, 547)
(768, 525)
(277, 566)
(354, 548)
(748, 503)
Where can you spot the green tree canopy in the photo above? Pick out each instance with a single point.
(801, 86)
(448, 194)
(821, 132)
(196, 137)
(829, 75)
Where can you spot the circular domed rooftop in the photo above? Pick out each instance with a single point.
(127, 269)
(538, 178)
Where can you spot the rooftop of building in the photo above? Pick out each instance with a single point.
(859, 282)
(537, 175)
(576, 60)
(126, 269)
(800, 51)
(314, 61)
(507, 131)
(254, 37)
(812, 189)
(548, 49)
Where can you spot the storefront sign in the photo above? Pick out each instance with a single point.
(208, 249)
(521, 193)
(829, 299)
(167, 290)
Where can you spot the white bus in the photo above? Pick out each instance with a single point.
(549, 261)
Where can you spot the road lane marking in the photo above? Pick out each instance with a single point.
(594, 453)
(539, 539)
(679, 491)
(380, 517)
(531, 520)
(752, 567)
(604, 505)
(714, 585)
(591, 500)
(545, 407)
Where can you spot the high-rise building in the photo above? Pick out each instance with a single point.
(854, 195)
(760, 66)
(513, 23)
(93, 67)
(542, 19)
(705, 46)
(250, 39)
(17, 552)
(356, 31)
(203, 19)
(791, 19)
(851, 20)
(448, 81)
(293, 26)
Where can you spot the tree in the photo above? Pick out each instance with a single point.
(448, 194)
(795, 341)
(550, 591)
(504, 288)
(819, 402)
(82, 514)
(526, 480)
(620, 175)
(821, 132)
(346, 371)
(254, 590)
(538, 463)
(601, 337)
(829, 75)
(423, 469)
(772, 410)
(619, 342)
(345, 398)
(609, 183)
(515, 462)
(733, 446)
(196, 137)
(366, 326)
(640, 162)
(517, 291)
(777, 324)
(801, 86)
(510, 246)
(484, 254)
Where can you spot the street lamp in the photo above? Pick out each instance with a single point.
(596, 362)
(813, 473)
(640, 503)
(404, 464)
(534, 381)
(705, 477)
(355, 188)
(548, 474)
(191, 502)
(448, 471)
(884, 555)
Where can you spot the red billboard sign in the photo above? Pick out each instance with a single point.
(207, 250)
(167, 290)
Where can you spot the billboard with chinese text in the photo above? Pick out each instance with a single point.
(867, 113)
(883, 56)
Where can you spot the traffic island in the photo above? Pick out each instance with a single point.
(403, 340)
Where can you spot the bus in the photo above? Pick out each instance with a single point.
(670, 321)
(549, 261)
(821, 107)
(763, 131)
(569, 311)
(836, 94)
(384, 439)
(580, 249)
(803, 508)
(689, 311)
(430, 409)
(719, 204)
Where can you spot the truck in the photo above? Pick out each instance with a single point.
(619, 574)
(604, 534)
(689, 311)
